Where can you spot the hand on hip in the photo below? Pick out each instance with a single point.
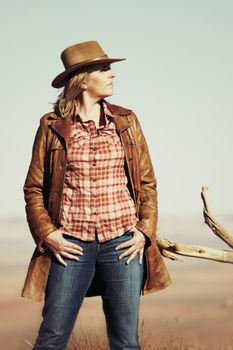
(62, 247)
(136, 246)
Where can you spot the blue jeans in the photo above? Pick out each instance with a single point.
(120, 292)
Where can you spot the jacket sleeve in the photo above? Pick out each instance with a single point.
(148, 203)
(38, 218)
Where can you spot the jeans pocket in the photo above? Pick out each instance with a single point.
(70, 237)
(128, 233)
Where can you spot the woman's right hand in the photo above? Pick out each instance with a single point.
(62, 247)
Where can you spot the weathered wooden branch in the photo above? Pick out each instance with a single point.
(169, 249)
(218, 229)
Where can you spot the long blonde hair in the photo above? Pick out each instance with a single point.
(66, 103)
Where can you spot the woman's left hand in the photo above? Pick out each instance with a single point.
(136, 244)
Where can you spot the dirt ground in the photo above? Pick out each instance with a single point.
(195, 312)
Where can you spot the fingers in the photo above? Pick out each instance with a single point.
(138, 240)
(133, 251)
(72, 247)
(132, 256)
(136, 245)
(125, 244)
(64, 248)
(59, 258)
(68, 255)
(141, 251)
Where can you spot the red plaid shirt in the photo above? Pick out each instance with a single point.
(95, 196)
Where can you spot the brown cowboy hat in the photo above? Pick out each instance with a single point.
(81, 55)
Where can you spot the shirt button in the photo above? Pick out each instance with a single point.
(94, 180)
(93, 163)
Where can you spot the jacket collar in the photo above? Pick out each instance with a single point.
(63, 125)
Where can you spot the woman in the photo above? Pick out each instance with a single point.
(91, 204)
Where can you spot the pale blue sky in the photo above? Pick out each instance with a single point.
(178, 78)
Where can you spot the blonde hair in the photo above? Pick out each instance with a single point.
(66, 103)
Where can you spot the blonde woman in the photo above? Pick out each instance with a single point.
(91, 205)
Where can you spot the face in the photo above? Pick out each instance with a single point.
(99, 83)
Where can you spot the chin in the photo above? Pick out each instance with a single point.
(107, 94)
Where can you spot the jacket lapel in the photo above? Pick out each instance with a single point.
(119, 116)
(63, 128)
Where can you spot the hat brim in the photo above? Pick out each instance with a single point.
(61, 79)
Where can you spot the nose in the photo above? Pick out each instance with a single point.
(112, 74)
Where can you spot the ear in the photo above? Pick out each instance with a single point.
(84, 85)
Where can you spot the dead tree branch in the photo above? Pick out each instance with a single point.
(218, 229)
(169, 249)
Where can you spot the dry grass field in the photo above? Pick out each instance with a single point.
(195, 312)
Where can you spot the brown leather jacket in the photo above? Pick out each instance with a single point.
(43, 189)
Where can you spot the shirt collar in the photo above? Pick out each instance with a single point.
(107, 113)
(106, 109)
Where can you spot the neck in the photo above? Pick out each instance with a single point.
(88, 107)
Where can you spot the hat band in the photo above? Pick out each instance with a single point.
(86, 61)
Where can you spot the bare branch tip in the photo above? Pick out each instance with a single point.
(205, 189)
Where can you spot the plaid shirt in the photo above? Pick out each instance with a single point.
(95, 197)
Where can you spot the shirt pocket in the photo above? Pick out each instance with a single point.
(113, 139)
(77, 142)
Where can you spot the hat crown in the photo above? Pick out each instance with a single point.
(86, 51)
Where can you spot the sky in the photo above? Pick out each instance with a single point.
(178, 79)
